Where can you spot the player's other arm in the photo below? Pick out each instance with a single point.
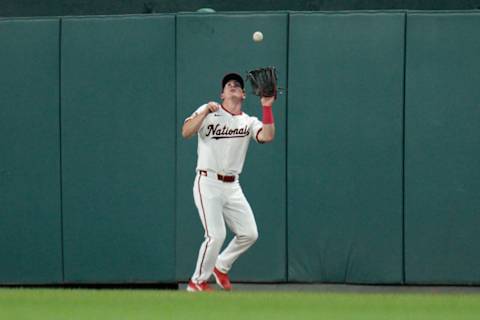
(192, 125)
(268, 130)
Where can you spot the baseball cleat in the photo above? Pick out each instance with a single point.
(222, 279)
(198, 287)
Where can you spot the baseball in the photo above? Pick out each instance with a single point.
(257, 36)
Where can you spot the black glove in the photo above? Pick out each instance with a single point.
(263, 81)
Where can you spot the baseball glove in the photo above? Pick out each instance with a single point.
(263, 81)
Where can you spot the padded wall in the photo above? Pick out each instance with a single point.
(118, 139)
(30, 217)
(442, 158)
(208, 47)
(108, 122)
(345, 101)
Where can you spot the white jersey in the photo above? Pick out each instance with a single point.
(223, 140)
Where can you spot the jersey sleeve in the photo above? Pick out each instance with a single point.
(255, 127)
(200, 109)
(194, 114)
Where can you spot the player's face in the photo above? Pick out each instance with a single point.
(233, 89)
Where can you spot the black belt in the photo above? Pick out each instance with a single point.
(219, 176)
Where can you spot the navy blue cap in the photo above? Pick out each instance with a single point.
(232, 76)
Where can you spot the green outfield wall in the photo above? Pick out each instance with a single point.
(373, 177)
(118, 136)
(30, 201)
(345, 147)
(442, 154)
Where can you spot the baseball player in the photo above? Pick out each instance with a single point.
(224, 132)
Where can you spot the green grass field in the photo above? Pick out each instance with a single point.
(39, 304)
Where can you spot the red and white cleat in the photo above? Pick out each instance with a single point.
(198, 287)
(222, 279)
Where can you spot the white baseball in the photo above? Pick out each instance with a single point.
(257, 36)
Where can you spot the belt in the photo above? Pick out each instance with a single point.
(219, 176)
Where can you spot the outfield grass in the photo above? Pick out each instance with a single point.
(65, 304)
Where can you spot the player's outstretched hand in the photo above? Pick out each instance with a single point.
(267, 101)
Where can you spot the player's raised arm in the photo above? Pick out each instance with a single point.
(264, 85)
(268, 132)
(193, 124)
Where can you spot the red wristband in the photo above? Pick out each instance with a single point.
(267, 115)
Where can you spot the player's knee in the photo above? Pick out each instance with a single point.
(251, 236)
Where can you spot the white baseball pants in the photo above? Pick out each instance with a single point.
(218, 203)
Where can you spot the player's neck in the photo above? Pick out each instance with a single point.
(234, 107)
